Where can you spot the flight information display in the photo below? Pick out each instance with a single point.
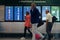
(9, 13)
(44, 8)
(18, 13)
(28, 8)
(39, 8)
(55, 11)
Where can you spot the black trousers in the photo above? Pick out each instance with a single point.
(25, 30)
(48, 30)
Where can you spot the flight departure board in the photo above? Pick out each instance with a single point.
(18, 13)
(55, 12)
(9, 13)
(44, 8)
(28, 8)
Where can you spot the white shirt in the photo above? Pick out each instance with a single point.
(49, 17)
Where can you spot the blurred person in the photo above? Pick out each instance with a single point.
(27, 24)
(34, 20)
(48, 25)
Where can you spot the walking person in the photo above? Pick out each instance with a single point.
(34, 19)
(27, 24)
(48, 25)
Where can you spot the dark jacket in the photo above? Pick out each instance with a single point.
(35, 15)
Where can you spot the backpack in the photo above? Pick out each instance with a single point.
(54, 19)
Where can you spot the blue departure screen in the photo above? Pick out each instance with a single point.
(44, 8)
(18, 13)
(28, 8)
(9, 13)
(39, 8)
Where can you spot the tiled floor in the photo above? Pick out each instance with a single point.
(19, 39)
(12, 39)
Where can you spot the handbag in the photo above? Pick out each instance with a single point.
(40, 23)
(37, 36)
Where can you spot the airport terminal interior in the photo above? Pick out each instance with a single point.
(12, 18)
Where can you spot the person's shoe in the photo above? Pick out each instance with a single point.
(22, 38)
(43, 38)
(52, 36)
(49, 39)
